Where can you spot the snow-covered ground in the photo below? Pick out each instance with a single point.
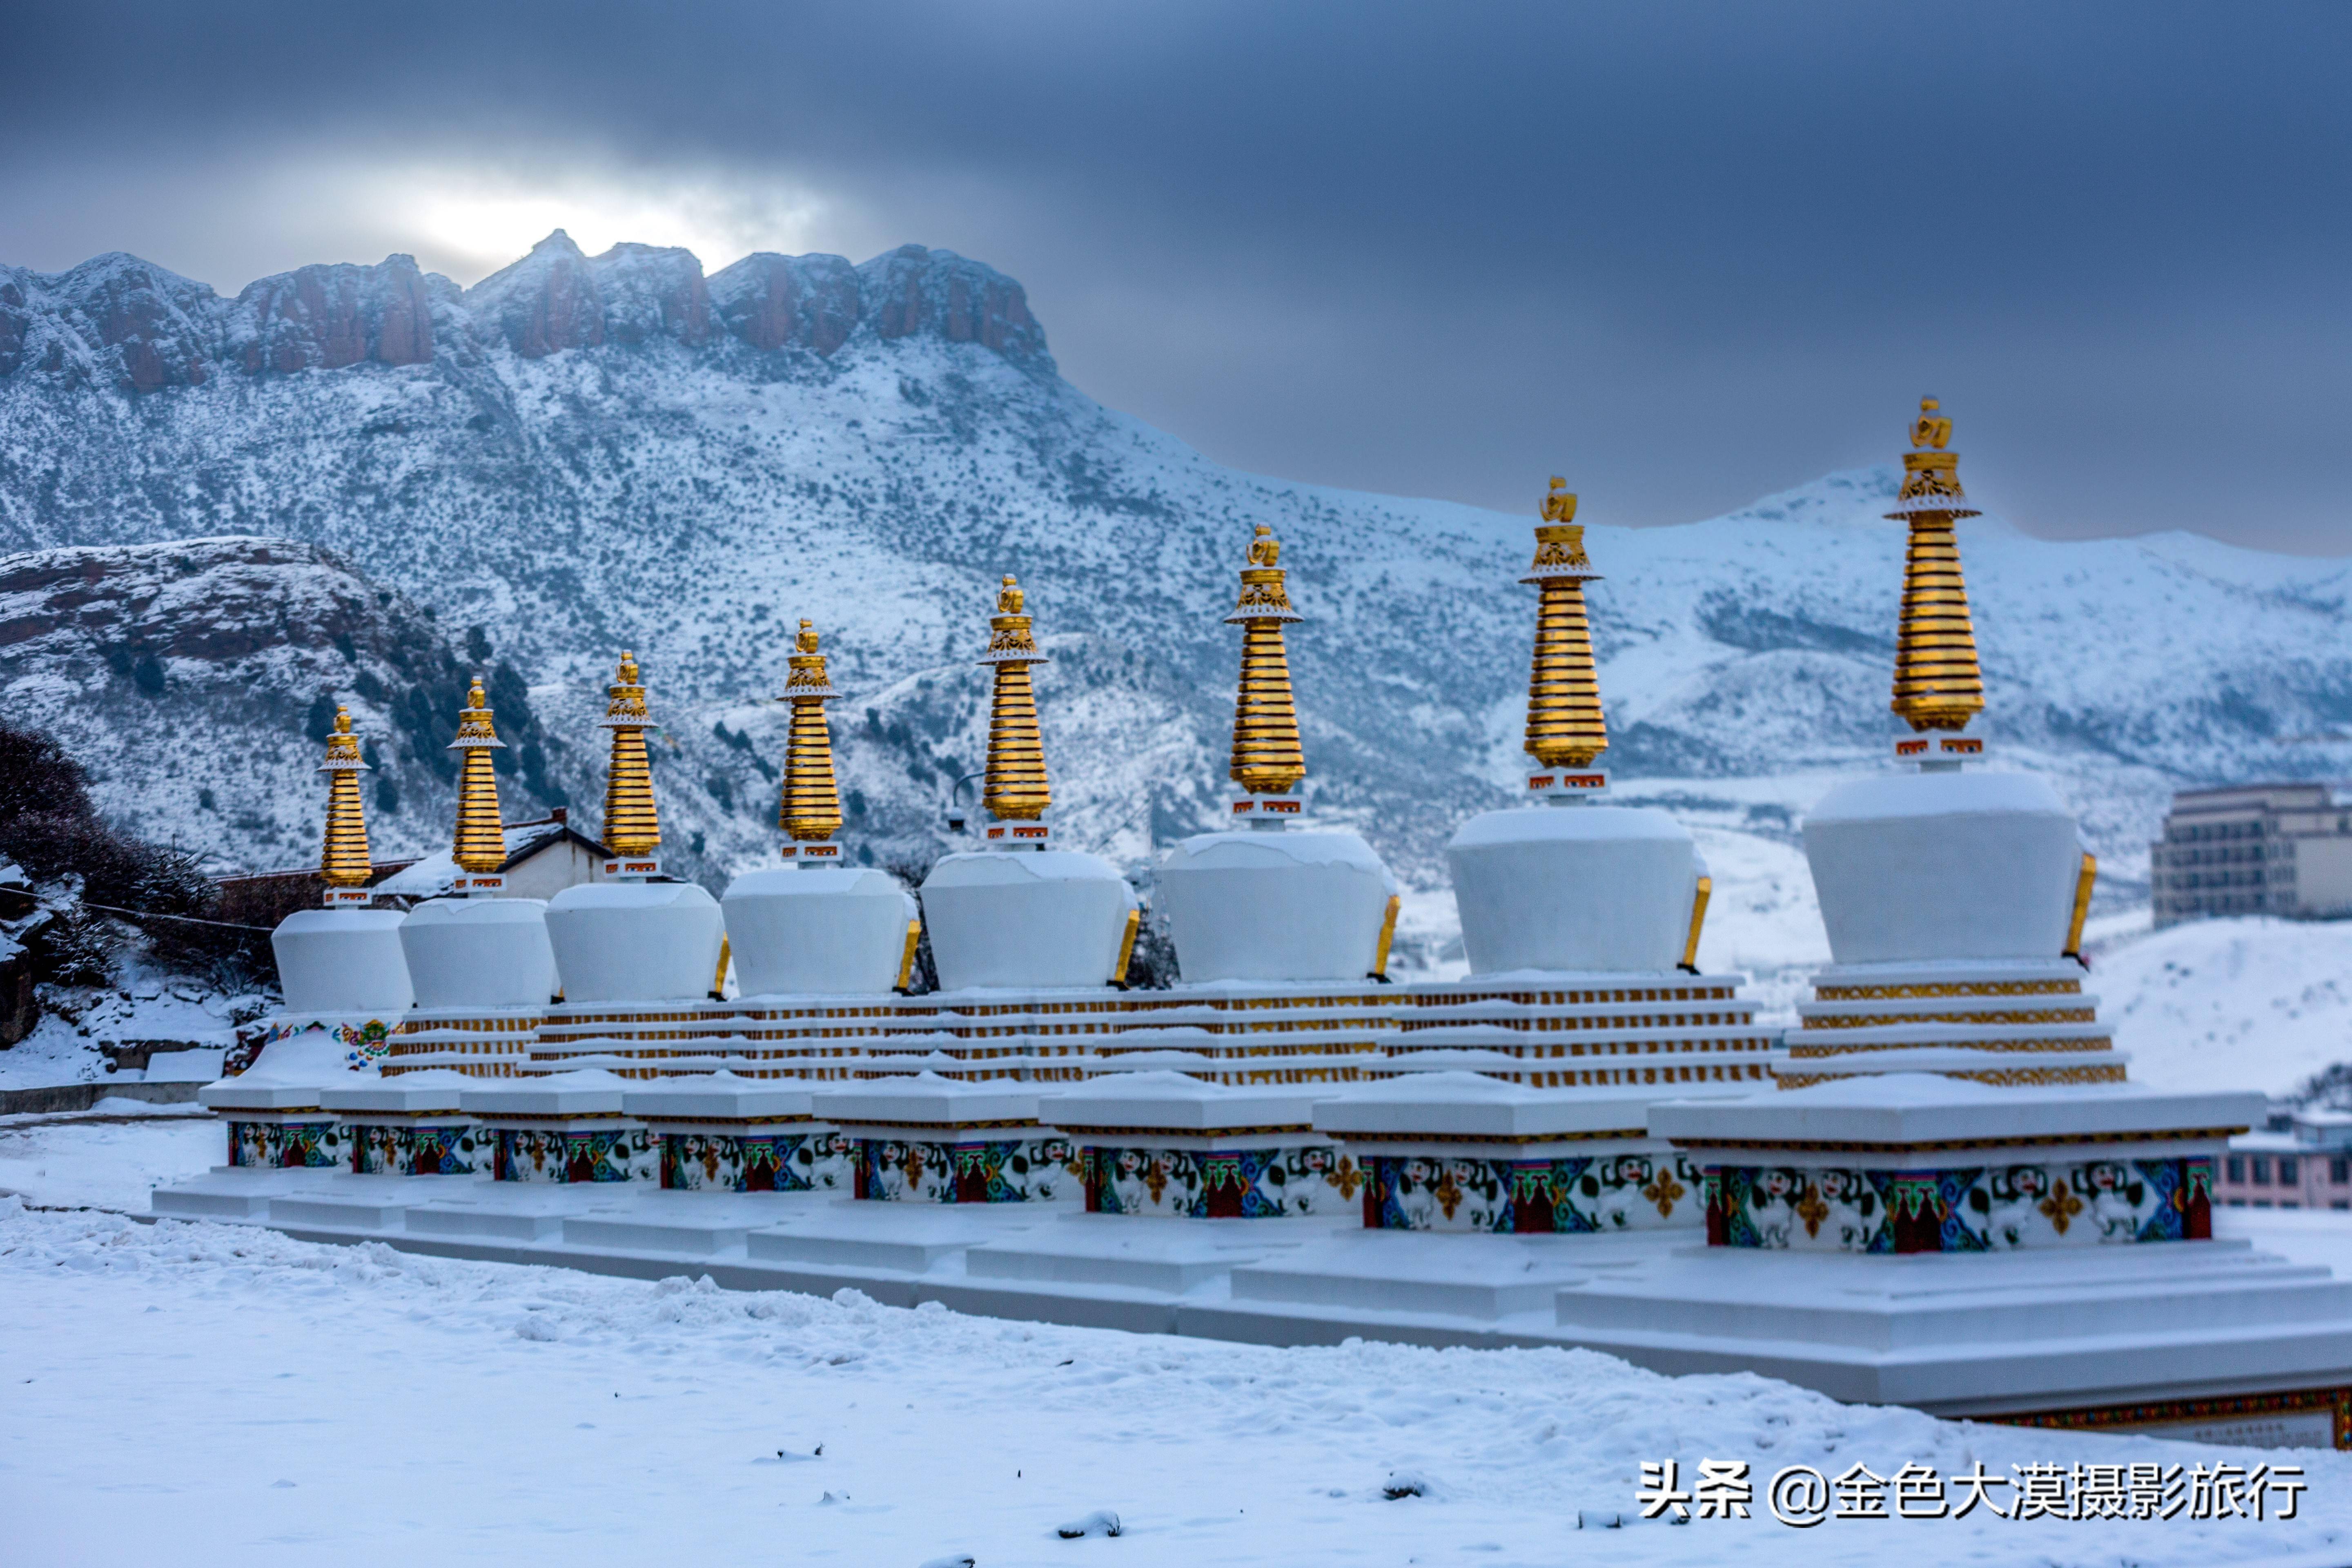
(2251, 1003)
(199, 1394)
(63, 1047)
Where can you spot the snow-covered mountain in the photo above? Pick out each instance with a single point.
(583, 454)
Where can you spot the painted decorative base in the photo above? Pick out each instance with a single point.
(1221, 1184)
(599, 1154)
(2292, 1418)
(364, 1040)
(1973, 1209)
(1577, 1195)
(774, 1161)
(287, 1144)
(442, 1148)
(899, 1169)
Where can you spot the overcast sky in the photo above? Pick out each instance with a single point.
(1686, 254)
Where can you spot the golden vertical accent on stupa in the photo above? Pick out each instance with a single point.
(482, 842)
(1268, 758)
(1566, 728)
(1701, 895)
(632, 825)
(811, 809)
(344, 859)
(2086, 878)
(1016, 788)
(1937, 685)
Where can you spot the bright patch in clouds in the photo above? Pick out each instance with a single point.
(468, 224)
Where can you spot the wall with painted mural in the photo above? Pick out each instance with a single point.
(1972, 1209)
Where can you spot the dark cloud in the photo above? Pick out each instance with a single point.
(1685, 253)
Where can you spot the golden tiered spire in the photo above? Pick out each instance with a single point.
(632, 825)
(481, 844)
(1937, 685)
(343, 861)
(810, 810)
(1565, 726)
(1016, 789)
(1268, 759)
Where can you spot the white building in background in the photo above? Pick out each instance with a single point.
(2254, 850)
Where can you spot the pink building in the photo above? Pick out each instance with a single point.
(2303, 1161)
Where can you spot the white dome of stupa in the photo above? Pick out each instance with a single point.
(479, 953)
(635, 941)
(346, 961)
(1928, 866)
(1307, 904)
(1583, 886)
(834, 929)
(1047, 917)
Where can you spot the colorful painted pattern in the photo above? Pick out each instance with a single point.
(1996, 1208)
(606, 1155)
(401, 1150)
(271, 1145)
(758, 1162)
(897, 1170)
(362, 1044)
(1237, 1184)
(1612, 1192)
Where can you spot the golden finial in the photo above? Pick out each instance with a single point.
(632, 825)
(343, 860)
(1566, 728)
(1268, 758)
(1938, 684)
(481, 844)
(1016, 789)
(811, 809)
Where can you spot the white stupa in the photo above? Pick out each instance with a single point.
(1274, 902)
(629, 937)
(815, 927)
(342, 969)
(482, 963)
(1019, 914)
(1952, 1094)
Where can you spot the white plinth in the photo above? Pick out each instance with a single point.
(1903, 1121)
(1944, 866)
(925, 1104)
(342, 962)
(1576, 887)
(559, 1096)
(720, 1097)
(1471, 1107)
(795, 931)
(1276, 906)
(289, 1075)
(634, 941)
(433, 1092)
(1025, 919)
(1168, 1107)
(479, 953)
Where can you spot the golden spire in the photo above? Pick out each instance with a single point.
(811, 809)
(481, 844)
(1267, 755)
(343, 861)
(1016, 789)
(632, 825)
(1565, 726)
(1937, 683)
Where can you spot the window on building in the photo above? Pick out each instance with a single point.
(2237, 1169)
(2339, 1171)
(2261, 1171)
(2289, 1173)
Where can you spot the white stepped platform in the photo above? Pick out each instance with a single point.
(2268, 1304)
(1959, 1334)
(1172, 1257)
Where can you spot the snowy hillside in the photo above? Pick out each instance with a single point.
(582, 454)
(2253, 1003)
